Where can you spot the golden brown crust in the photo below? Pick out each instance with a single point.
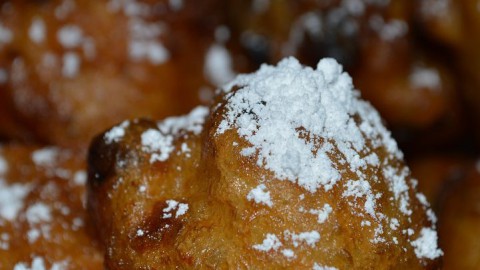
(44, 222)
(136, 202)
(74, 68)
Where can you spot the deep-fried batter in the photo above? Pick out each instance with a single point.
(69, 69)
(288, 170)
(43, 222)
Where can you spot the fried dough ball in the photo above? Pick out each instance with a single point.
(456, 25)
(413, 91)
(69, 69)
(42, 214)
(308, 29)
(459, 224)
(288, 169)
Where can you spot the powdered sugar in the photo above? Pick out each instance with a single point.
(319, 267)
(309, 238)
(193, 122)
(159, 142)
(6, 35)
(160, 145)
(38, 213)
(182, 208)
(260, 195)
(310, 127)
(426, 244)
(70, 36)
(322, 213)
(321, 102)
(116, 133)
(45, 156)
(218, 65)
(422, 77)
(37, 30)
(11, 199)
(271, 242)
(70, 64)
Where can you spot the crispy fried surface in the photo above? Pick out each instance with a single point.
(42, 214)
(137, 202)
(70, 69)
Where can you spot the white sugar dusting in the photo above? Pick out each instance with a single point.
(11, 199)
(160, 145)
(160, 142)
(218, 65)
(322, 214)
(70, 36)
(260, 195)
(309, 238)
(6, 35)
(362, 188)
(271, 242)
(193, 122)
(38, 213)
(426, 244)
(310, 127)
(422, 77)
(288, 253)
(182, 209)
(321, 267)
(37, 30)
(321, 102)
(80, 178)
(45, 156)
(116, 133)
(70, 64)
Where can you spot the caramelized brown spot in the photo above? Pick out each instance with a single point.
(101, 160)
(157, 231)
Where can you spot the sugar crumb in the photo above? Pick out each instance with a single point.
(6, 35)
(80, 178)
(426, 245)
(260, 195)
(218, 65)
(37, 30)
(159, 145)
(70, 36)
(11, 199)
(271, 242)
(320, 267)
(116, 133)
(288, 253)
(71, 64)
(45, 157)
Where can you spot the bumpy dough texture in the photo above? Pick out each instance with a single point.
(43, 222)
(192, 198)
(69, 69)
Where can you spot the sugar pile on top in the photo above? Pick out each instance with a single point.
(310, 127)
(160, 142)
(288, 102)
